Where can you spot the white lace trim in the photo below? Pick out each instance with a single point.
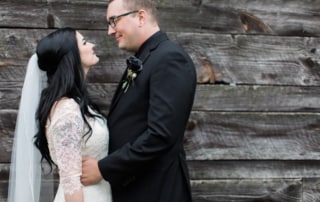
(65, 143)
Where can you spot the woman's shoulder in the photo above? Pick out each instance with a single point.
(66, 102)
(64, 106)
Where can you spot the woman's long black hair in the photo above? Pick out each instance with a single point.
(58, 55)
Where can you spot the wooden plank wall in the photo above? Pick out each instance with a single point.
(254, 132)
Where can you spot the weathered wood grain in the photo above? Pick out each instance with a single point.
(212, 184)
(6, 134)
(282, 17)
(245, 169)
(3, 191)
(258, 190)
(44, 194)
(231, 136)
(166, 3)
(225, 59)
(49, 184)
(245, 135)
(217, 98)
(264, 60)
(223, 16)
(226, 190)
(253, 169)
(237, 169)
(256, 98)
(311, 191)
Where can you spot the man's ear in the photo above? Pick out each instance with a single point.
(143, 17)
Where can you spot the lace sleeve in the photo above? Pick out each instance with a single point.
(67, 129)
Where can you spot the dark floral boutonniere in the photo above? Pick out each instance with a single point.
(134, 68)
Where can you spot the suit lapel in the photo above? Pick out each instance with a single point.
(143, 54)
(117, 94)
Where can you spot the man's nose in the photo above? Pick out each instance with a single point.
(110, 30)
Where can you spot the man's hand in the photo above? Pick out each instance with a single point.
(90, 171)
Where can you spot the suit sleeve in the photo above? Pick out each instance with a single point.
(172, 85)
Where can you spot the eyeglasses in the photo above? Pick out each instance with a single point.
(113, 19)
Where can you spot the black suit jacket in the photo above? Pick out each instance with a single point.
(146, 161)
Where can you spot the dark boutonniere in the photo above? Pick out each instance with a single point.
(134, 67)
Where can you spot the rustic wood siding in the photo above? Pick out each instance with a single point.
(254, 132)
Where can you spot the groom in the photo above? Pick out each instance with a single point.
(148, 113)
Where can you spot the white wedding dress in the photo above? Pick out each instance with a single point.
(67, 146)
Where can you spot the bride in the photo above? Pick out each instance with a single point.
(59, 120)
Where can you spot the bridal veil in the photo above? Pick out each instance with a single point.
(25, 168)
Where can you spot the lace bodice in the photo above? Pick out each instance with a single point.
(67, 146)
